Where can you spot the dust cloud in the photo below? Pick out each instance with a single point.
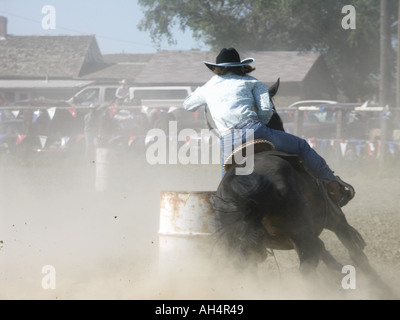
(105, 245)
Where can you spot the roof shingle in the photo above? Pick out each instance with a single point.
(186, 67)
(121, 66)
(52, 56)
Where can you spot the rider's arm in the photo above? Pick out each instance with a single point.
(195, 100)
(263, 102)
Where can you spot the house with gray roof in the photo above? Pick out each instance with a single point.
(54, 57)
(59, 66)
(302, 75)
(120, 66)
(53, 65)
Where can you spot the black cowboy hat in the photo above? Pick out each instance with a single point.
(228, 58)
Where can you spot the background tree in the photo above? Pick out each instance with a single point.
(271, 25)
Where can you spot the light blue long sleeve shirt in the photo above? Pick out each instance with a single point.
(232, 99)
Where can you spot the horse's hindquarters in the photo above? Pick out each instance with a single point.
(276, 239)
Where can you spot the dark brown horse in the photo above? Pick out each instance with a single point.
(281, 206)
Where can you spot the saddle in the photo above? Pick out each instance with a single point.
(260, 145)
(247, 149)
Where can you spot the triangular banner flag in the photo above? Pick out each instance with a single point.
(72, 111)
(20, 138)
(15, 113)
(371, 149)
(51, 112)
(371, 145)
(36, 115)
(43, 140)
(131, 140)
(64, 141)
(312, 142)
(365, 104)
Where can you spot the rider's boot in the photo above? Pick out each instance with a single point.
(340, 192)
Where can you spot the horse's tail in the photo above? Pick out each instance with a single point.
(238, 216)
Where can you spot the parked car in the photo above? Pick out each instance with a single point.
(320, 119)
(160, 103)
(101, 94)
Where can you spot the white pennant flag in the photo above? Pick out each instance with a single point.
(343, 146)
(51, 112)
(64, 141)
(43, 140)
(372, 147)
(36, 115)
(15, 113)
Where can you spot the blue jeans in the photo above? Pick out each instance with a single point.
(254, 129)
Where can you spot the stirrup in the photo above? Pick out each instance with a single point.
(347, 192)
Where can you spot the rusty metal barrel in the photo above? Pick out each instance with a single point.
(186, 229)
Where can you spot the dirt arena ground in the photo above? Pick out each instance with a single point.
(104, 245)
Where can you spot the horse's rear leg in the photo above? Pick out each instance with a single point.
(355, 245)
(360, 260)
(351, 239)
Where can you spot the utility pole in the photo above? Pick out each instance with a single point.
(384, 85)
(398, 58)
